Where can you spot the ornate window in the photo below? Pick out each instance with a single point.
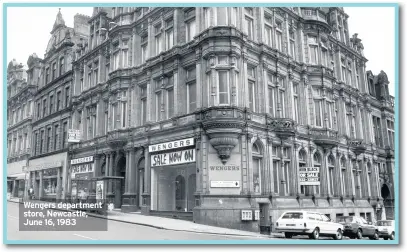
(257, 159)
(331, 174)
(317, 164)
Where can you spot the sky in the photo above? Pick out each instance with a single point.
(374, 25)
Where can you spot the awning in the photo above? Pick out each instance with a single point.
(18, 176)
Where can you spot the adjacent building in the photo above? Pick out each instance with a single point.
(48, 162)
(214, 114)
(20, 94)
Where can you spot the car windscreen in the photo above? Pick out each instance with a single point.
(293, 216)
(346, 219)
(384, 223)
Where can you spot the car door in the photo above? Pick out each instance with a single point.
(330, 228)
(320, 223)
(366, 228)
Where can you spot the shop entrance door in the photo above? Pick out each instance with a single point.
(120, 185)
(180, 194)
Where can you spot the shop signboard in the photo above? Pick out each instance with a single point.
(83, 168)
(45, 166)
(309, 176)
(82, 160)
(173, 158)
(74, 136)
(171, 145)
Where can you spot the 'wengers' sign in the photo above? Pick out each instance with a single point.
(173, 158)
(309, 176)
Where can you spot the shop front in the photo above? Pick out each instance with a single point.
(16, 185)
(81, 175)
(47, 181)
(173, 176)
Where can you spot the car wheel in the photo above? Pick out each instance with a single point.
(288, 235)
(315, 234)
(359, 234)
(338, 235)
(376, 235)
(392, 236)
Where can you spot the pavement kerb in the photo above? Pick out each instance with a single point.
(161, 227)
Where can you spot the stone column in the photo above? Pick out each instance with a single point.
(337, 180)
(198, 91)
(59, 183)
(145, 208)
(110, 173)
(97, 166)
(350, 187)
(363, 179)
(294, 166)
(270, 164)
(245, 185)
(41, 186)
(127, 178)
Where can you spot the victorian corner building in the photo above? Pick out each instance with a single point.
(208, 114)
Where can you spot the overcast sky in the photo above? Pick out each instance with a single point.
(374, 25)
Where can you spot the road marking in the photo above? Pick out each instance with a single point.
(84, 237)
(13, 217)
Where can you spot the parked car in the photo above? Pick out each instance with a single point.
(386, 229)
(308, 223)
(357, 227)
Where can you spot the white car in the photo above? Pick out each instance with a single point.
(386, 229)
(312, 224)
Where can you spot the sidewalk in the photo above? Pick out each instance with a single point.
(173, 224)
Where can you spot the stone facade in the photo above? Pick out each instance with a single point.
(20, 95)
(263, 93)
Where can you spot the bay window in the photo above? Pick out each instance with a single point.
(313, 50)
(223, 93)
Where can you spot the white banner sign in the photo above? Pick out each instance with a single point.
(82, 160)
(82, 168)
(173, 158)
(74, 136)
(227, 184)
(309, 176)
(171, 145)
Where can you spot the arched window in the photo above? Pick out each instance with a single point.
(343, 175)
(257, 159)
(331, 167)
(317, 164)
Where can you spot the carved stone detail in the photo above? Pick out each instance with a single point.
(224, 146)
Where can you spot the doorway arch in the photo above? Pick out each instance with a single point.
(385, 192)
(180, 201)
(120, 185)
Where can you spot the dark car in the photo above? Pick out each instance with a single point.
(357, 227)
